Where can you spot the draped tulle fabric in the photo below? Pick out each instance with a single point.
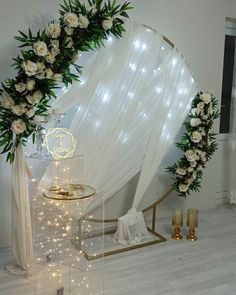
(133, 97)
(22, 246)
(232, 141)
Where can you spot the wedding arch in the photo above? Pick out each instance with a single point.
(134, 95)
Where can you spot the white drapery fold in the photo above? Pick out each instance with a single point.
(232, 140)
(22, 245)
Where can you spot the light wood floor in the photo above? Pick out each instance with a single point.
(205, 267)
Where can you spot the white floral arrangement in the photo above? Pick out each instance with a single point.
(46, 64)
(198, 144)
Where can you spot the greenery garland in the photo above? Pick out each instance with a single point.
(46, 64)
(198, 144)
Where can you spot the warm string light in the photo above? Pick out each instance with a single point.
(54, 223)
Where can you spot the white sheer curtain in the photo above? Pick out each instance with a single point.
(134, 96)
(232, 141)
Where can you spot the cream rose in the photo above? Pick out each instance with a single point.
(107, 24)
(30, 113)
(20, 87)
(190, 169)
(7, 102)
(50, 58)
(55, 44)
(30, 68)
(30, 84)
(181, 171)
(18, 109)
(57, 78)
(40, 48)
(196, 137)
(54, 51)
(40, 66)
(191, 155)
(53, 31)
(194, 122)
(69, 31)
(71, 20)
(36, 97)
(206, 98)
(91, 9)
(183, 188)
(200, 105)
(83, 21)
(48, 73)
(193, 164)
(18, 126)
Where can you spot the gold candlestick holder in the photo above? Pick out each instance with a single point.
(177, 222)
(192, 223)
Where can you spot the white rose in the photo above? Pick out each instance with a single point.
(196, 137)
(50, 58)
(69, 31)
(54, 51)
(204, 159)
(193, 164)
(199, 168)
(191, 155)
(41, 75)
(200, 105)
(30, 84)
(20, 87)
(18, 126)
(30, 113)
(55, 44)
(36, 97)
(183, 188)
(206, 98)
(83, 21)
(180, 171)
(48, 73)
(71, 20)
(91, 9)
(40, 48)
(195, 112)
(190, 169)
(194, 122)
(202, 131)
(194, 175)
(57, 78)
(53, 31)
(205, 117)
(40, 66)
(7, 102)
(30, 68)
(107, 24)
(210, 110)
(19, 109)
(69, 42)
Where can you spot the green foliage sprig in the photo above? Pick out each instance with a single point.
(198, 145)
(45, 62)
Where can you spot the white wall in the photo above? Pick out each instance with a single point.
(197, 29)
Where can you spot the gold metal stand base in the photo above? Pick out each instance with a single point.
(176, 234)
(191, 235)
